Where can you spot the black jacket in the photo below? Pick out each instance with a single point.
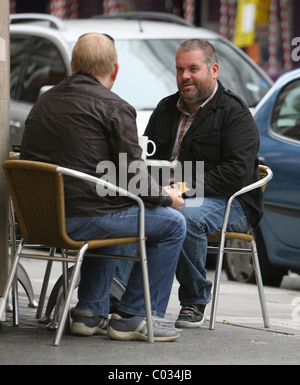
(78, 124)
(223, 135)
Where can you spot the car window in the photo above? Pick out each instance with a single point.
(38, 65)
(147, 71)
(19, 47)
(285, 119)
(237, 74)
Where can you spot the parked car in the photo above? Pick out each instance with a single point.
(41, 47)
(278, 235)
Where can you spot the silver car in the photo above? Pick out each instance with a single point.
(41, 47)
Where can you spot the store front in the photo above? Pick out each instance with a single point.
(265, 29)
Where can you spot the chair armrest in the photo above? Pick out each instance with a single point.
(111, 187)
(255, 185)
(252, 186)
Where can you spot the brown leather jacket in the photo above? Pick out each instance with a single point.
(78, 124)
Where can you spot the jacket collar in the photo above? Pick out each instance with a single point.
(218, 101)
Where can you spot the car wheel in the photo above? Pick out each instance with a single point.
(239, 267)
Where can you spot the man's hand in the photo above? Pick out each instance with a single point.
(176, 196)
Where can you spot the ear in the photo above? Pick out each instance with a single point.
(115, 71)
(215, 70)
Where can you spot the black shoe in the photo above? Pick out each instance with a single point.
(87, 324)
(191, 316)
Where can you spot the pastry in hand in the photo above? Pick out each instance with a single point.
(182, 187)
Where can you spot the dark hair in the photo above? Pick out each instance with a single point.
(209, 53)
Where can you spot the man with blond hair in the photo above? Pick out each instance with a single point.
(78, 124)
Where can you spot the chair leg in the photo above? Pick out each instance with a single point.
(14, 284)
(24, 280)
(56, 301)
(65, 287)
(260, 285)
(10, 280)
(146, 292)
(217, 280)
(71, 288)
(15, 300)
(117, 289)
(57, 310)
(45, 286)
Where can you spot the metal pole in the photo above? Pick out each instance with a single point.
(224, 18)
(4, 136)
(285, 36)
(273, 38)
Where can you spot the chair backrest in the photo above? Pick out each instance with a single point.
(37, 193)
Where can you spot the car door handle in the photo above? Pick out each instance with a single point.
(15, 124)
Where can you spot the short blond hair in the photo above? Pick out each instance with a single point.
(94, 54)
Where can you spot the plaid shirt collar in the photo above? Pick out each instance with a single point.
(185, 122)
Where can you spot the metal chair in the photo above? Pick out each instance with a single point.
(37, 192)
(22, 275)
(220, 237)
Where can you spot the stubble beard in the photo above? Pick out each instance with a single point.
(197, 96)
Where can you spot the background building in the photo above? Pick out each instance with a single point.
(263, 28)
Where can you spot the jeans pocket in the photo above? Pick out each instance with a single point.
(86, 228)
(241, 225)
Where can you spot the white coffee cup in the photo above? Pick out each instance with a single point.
(143, 142)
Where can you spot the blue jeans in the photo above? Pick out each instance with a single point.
(165, 230)
(202, 220)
